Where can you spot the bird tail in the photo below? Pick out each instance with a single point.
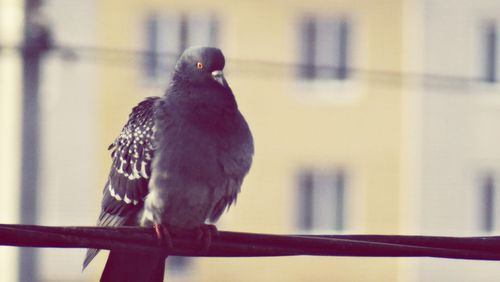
(133, 267)
(91, 253)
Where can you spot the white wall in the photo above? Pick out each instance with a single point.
(460, 132)
(69, 170)
(10, 128)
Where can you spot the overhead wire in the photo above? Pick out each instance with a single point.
(119, 56)
(239, 244)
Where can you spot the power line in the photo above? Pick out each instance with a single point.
(131, 56)
(238, 244)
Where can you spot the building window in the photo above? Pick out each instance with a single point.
(178, 268)
(488, 204)
(325, 48)
(151, 61)
(168, 35)
(322, 200)
(491, 49)
(178, 264)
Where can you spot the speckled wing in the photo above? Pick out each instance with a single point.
(127, 184)
(132, 155)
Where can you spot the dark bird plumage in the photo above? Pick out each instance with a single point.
(179, 161)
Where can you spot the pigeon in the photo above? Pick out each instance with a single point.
(179, 162)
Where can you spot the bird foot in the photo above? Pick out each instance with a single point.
(163, 236)
(204, 234)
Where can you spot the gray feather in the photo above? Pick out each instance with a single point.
(204, 146)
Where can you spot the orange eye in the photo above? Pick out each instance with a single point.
(199, 65)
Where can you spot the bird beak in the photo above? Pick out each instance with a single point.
(218, 76)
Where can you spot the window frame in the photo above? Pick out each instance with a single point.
(173, 33)
(313, 45)
(309, 182)
(490, 36)
(488, 208)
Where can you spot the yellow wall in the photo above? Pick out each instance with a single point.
(11, 25)
(291, 129)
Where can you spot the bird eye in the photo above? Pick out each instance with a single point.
(199, 65)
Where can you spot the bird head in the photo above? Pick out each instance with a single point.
(202, 65)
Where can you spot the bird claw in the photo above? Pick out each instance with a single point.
(163, 236)
(204, 234)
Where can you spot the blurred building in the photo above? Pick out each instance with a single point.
(11, 17)
(347, 139)
(457, 106)
(67, 177)
(70, 166)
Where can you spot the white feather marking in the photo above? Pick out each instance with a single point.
(114, 194)
(135, 171)
(147, 215)
(143, 170)
(120, 169)
(127, 200)
(111, 191)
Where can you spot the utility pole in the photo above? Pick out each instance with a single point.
(36, 43)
